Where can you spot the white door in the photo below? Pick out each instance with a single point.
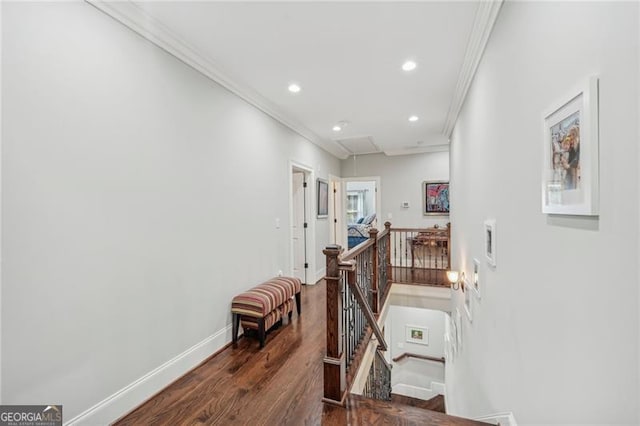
(297, 227)
(335, 211)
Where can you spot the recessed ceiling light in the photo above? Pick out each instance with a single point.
(409, 66)
(413, 118)
(294, 88)
(337, 128)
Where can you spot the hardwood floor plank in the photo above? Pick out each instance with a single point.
(281, 384)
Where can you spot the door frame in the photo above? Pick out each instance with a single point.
(379, 218)
(310, 235)
(336, 221)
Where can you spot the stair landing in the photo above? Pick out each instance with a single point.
(364, 411)
(434, 404)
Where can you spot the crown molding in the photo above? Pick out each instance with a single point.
(134, 18)
(483, 23)
(424, 150)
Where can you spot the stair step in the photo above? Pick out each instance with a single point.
(365, 411)
(435, 404)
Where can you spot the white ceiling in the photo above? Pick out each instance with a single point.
(347, 58)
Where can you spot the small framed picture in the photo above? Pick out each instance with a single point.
(570, 176)
(466, 289)
(476, 277)
(323, 198)
(490, 241)
(417, 334)
(435, 198)
(458, 325)
(453, 334)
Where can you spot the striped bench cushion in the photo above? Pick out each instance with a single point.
(265, 298)
(269, 320)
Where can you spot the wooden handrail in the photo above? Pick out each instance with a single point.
(425, 357)
(360, 248)
(427, 230)
(366, 310)
(383, 234)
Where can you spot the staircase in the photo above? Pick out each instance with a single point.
(358, 283)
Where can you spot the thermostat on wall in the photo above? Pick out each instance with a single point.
(404, 205)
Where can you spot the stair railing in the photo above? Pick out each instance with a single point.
(420, 256)
(357, 285)
(378, 385)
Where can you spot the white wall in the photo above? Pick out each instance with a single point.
(401, 180)
(412, 371)
(555, 336)
(130, 184)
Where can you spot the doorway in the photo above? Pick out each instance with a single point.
(302, 229)
(362, 207)
(298, 226)
(335, 210)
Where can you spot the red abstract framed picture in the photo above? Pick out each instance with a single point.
(435, 198)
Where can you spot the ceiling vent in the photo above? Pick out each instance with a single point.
(359, 145)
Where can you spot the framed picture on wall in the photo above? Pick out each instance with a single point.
(453, 334)
(570, 176)
(435, 198)
(417, 334)
(490, 241)
(476, 277)
(468, 307)
(323, 198)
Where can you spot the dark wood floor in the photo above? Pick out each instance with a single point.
(278, 385)
(434, 404)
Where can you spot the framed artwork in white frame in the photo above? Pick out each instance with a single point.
(570, 172)
(417, 334)
(468, 308)
(490, 241)
(448, 351)
(453, 334)
(458, 327)
(476, 277)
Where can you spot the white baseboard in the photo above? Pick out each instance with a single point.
(503, 419)
(134, 394)
(414, 391)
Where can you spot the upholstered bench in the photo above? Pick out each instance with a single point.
(265, 305)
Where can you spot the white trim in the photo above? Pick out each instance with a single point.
(503, 419)
(136, 19)
(416, 392)
(310, 218)
(483, 23)
(335, 237)
(137, 392)
(425, 150)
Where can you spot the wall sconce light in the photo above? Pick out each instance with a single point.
(455, 278)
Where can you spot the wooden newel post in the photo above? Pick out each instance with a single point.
(387, 226)
(373, 234)
(334, 363)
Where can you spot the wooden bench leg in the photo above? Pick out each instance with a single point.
(298, 303)
(236, 324)
(261, 332)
